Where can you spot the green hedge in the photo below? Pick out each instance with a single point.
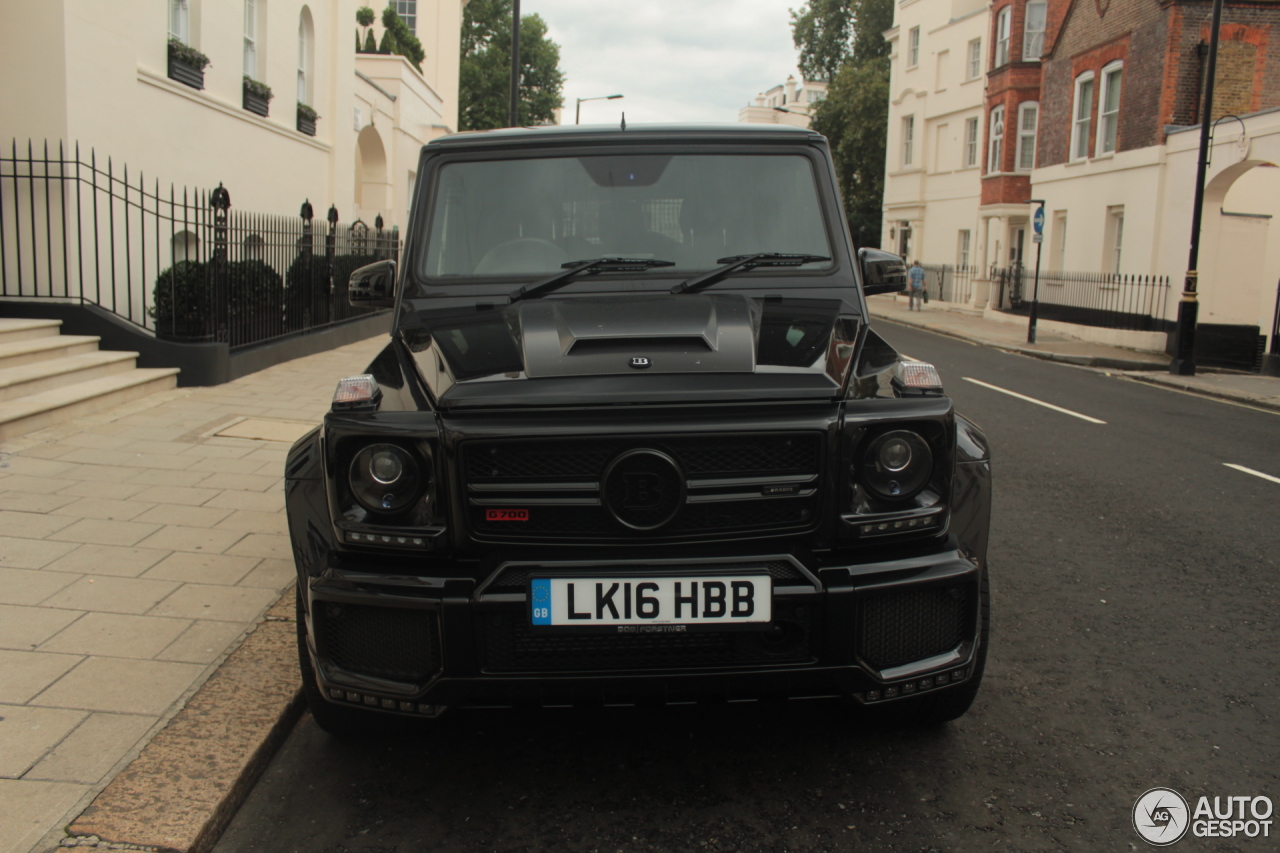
(187, 303)
(307, 299)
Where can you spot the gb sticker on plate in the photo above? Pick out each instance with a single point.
(541, 599)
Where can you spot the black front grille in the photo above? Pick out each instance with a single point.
(513, 645)
(700, 456)
(387, 642)
(507, 474)
(516, 578)
(898, 627)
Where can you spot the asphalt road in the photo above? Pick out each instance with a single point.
(1133, 645)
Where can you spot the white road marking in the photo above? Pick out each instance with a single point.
(1034, 400)
(1253, 472)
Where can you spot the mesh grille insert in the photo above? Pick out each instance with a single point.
(512, 645)
(387, 642)
(903, 626)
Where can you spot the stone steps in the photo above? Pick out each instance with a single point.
(47, 378)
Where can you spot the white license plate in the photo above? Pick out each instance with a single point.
(710, 600)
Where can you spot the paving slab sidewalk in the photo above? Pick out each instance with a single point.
(137, 550)
(969, 325)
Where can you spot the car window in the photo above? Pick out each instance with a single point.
(526, 217)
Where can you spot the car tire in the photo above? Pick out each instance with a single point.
(950, 703)
(338, 720)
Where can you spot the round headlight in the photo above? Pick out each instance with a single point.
(385, 478)
(897, 465)
(385, 467)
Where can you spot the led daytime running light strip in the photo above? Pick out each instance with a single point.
(390, 539)
(918, 685)
(382, 702)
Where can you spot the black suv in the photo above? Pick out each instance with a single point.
(633, 439)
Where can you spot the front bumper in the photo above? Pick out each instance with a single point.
(872, 632)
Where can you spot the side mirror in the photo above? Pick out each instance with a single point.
(882, 272)
(373, 286)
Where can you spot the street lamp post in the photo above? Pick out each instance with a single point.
(1184, 362)
(577, 113)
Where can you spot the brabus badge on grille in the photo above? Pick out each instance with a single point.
(640, 362)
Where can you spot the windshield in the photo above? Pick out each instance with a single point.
(514, 219)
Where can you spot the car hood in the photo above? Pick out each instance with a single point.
(629, 348)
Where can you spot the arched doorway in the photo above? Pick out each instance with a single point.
(1239, 262)
(371, 171)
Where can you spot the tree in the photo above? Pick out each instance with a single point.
(485, 73)
(842, 41)
(397, 38)
(365, 18)
(854, 117)
(822, 33)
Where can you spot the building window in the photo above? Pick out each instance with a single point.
(1109, 109)
(251, 39)
(306, 55)
(1115, 239)
(1060, 239)
(908, 139)
(1028, 117)
(995, 145)
(1081, 116)
(1033, 31)
(408, 12)
(913, 47)
(971, 141)
(962, 249)
(1003, 20)
(974, 66)
(180, 20)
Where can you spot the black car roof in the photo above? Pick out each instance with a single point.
(522, 137)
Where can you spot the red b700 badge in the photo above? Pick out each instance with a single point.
(506, 515)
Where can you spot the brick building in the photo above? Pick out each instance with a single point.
(1084, 99)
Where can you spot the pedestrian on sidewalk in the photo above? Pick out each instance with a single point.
(915, 285)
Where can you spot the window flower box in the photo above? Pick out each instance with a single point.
(257, 97)
(307, 120)
(186, 64)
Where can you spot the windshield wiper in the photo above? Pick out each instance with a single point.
(745, 263)
(576, 268)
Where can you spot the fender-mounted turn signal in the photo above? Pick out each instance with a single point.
(916, 379)
(355, 393)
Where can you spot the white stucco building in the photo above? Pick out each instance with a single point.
(790, 103)
(938, 63)
(96, 72)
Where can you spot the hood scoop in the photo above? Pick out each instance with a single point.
(663, 334)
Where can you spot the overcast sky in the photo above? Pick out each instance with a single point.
(673, 60)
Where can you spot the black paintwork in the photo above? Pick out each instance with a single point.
(771, 352)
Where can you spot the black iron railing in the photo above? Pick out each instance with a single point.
(182, 264)
(949, 282)
(1131, 302)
